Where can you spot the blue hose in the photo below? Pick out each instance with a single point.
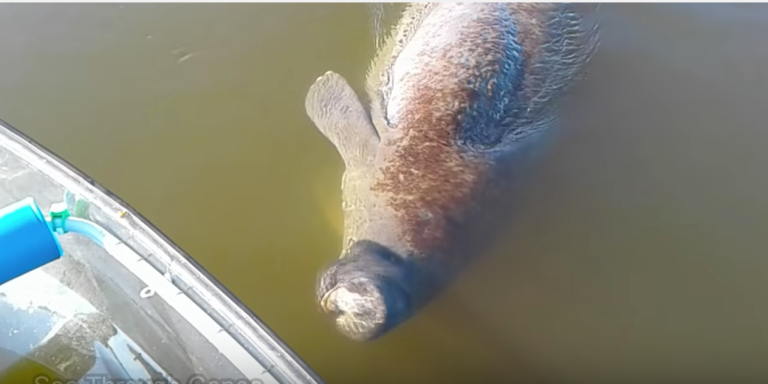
(87, 229)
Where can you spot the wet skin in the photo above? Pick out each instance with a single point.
(463, 97)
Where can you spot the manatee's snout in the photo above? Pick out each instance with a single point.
(366, 291)
(365, 308)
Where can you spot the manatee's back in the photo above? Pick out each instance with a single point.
(484, 73)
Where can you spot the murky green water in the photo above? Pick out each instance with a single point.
(640, 252)
(20, 369)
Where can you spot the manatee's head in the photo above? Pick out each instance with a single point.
(368, 291)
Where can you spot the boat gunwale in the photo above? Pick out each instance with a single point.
(231, 311)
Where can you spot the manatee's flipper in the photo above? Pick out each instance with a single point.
(338, 113)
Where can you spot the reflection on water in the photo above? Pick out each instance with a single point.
(639, 253)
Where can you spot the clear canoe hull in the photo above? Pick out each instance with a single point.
(145, 311)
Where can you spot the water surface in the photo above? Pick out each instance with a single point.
(640, 251)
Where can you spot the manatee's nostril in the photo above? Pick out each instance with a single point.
(366, 308)
(366, 291)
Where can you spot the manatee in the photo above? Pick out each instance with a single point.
(462, 98)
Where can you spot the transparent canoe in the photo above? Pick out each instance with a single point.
(148, 313)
